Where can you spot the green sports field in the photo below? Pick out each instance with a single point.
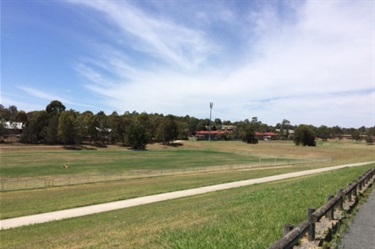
(249, 217)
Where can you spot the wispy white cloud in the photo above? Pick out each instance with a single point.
(295, 69)
(20, 104)
(161, 39)
(42, 95)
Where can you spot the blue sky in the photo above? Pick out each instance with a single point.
(311, 62)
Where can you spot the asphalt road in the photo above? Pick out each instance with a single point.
(94, 209)
(361, 233)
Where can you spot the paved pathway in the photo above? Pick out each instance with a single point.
(361, 233)
(94, 209)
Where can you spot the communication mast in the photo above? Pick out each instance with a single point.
(209, 124)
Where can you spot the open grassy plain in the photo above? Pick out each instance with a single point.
(28, 162)
(48, 161)
(191, 222)
(247, 217)
(37, 161)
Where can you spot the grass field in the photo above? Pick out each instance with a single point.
(57, 198)
(247, 217)
(37, 161)
(185, 223)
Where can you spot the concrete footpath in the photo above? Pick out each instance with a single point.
(361, 232)
(94, 209)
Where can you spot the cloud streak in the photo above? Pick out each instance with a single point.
(160, 39)
(47, 96)
(316, 66)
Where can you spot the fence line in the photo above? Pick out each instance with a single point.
(46, 182)
(292, 236)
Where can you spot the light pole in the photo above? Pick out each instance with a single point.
(209, 124)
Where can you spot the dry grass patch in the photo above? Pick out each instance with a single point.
(26, 202)
(247, 217)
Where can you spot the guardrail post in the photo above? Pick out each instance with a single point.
(286, 229)
(330, 212)
(341, 200)
(311, 231)
(370, 175)
(359, 185)
(363, 185)
(355, 191)
(349, 194)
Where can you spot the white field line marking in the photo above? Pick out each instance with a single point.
(105, 207)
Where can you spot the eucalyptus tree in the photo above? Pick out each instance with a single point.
(323, 132)
(92, 126)
(304, 135)
(67, 126)
(32, 132)
(55, 107)
(248, 134)
(21, 116)
(168, 129)
(5, 114)
(337, 131)
(113, 122)
(136, 136)
(103, 129)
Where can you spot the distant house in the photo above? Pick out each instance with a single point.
(228, 127)
(222, 134)
(16, 126)
(267, 135)
(289, 132)
(204, 135)
(13, 130)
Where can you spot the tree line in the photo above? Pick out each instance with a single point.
(56, 125)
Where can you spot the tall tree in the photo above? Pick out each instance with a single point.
(4, 113)
(50, 131)
(193, 125)
(149, 122)
(21, 116)
(255, 123)
(103, 129)
(92, 127)
(136, 136)
(55, 107)
(113, 122)
(80, 129)
(66, 127)
(168, 129)
(13, 112)
(284, 129)
(248, 135)
(183, 130)
(370, 135)
(218, 123)
(356, 135)
(36, 123)
(323, 132)
(304, 135)
(337, 132)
